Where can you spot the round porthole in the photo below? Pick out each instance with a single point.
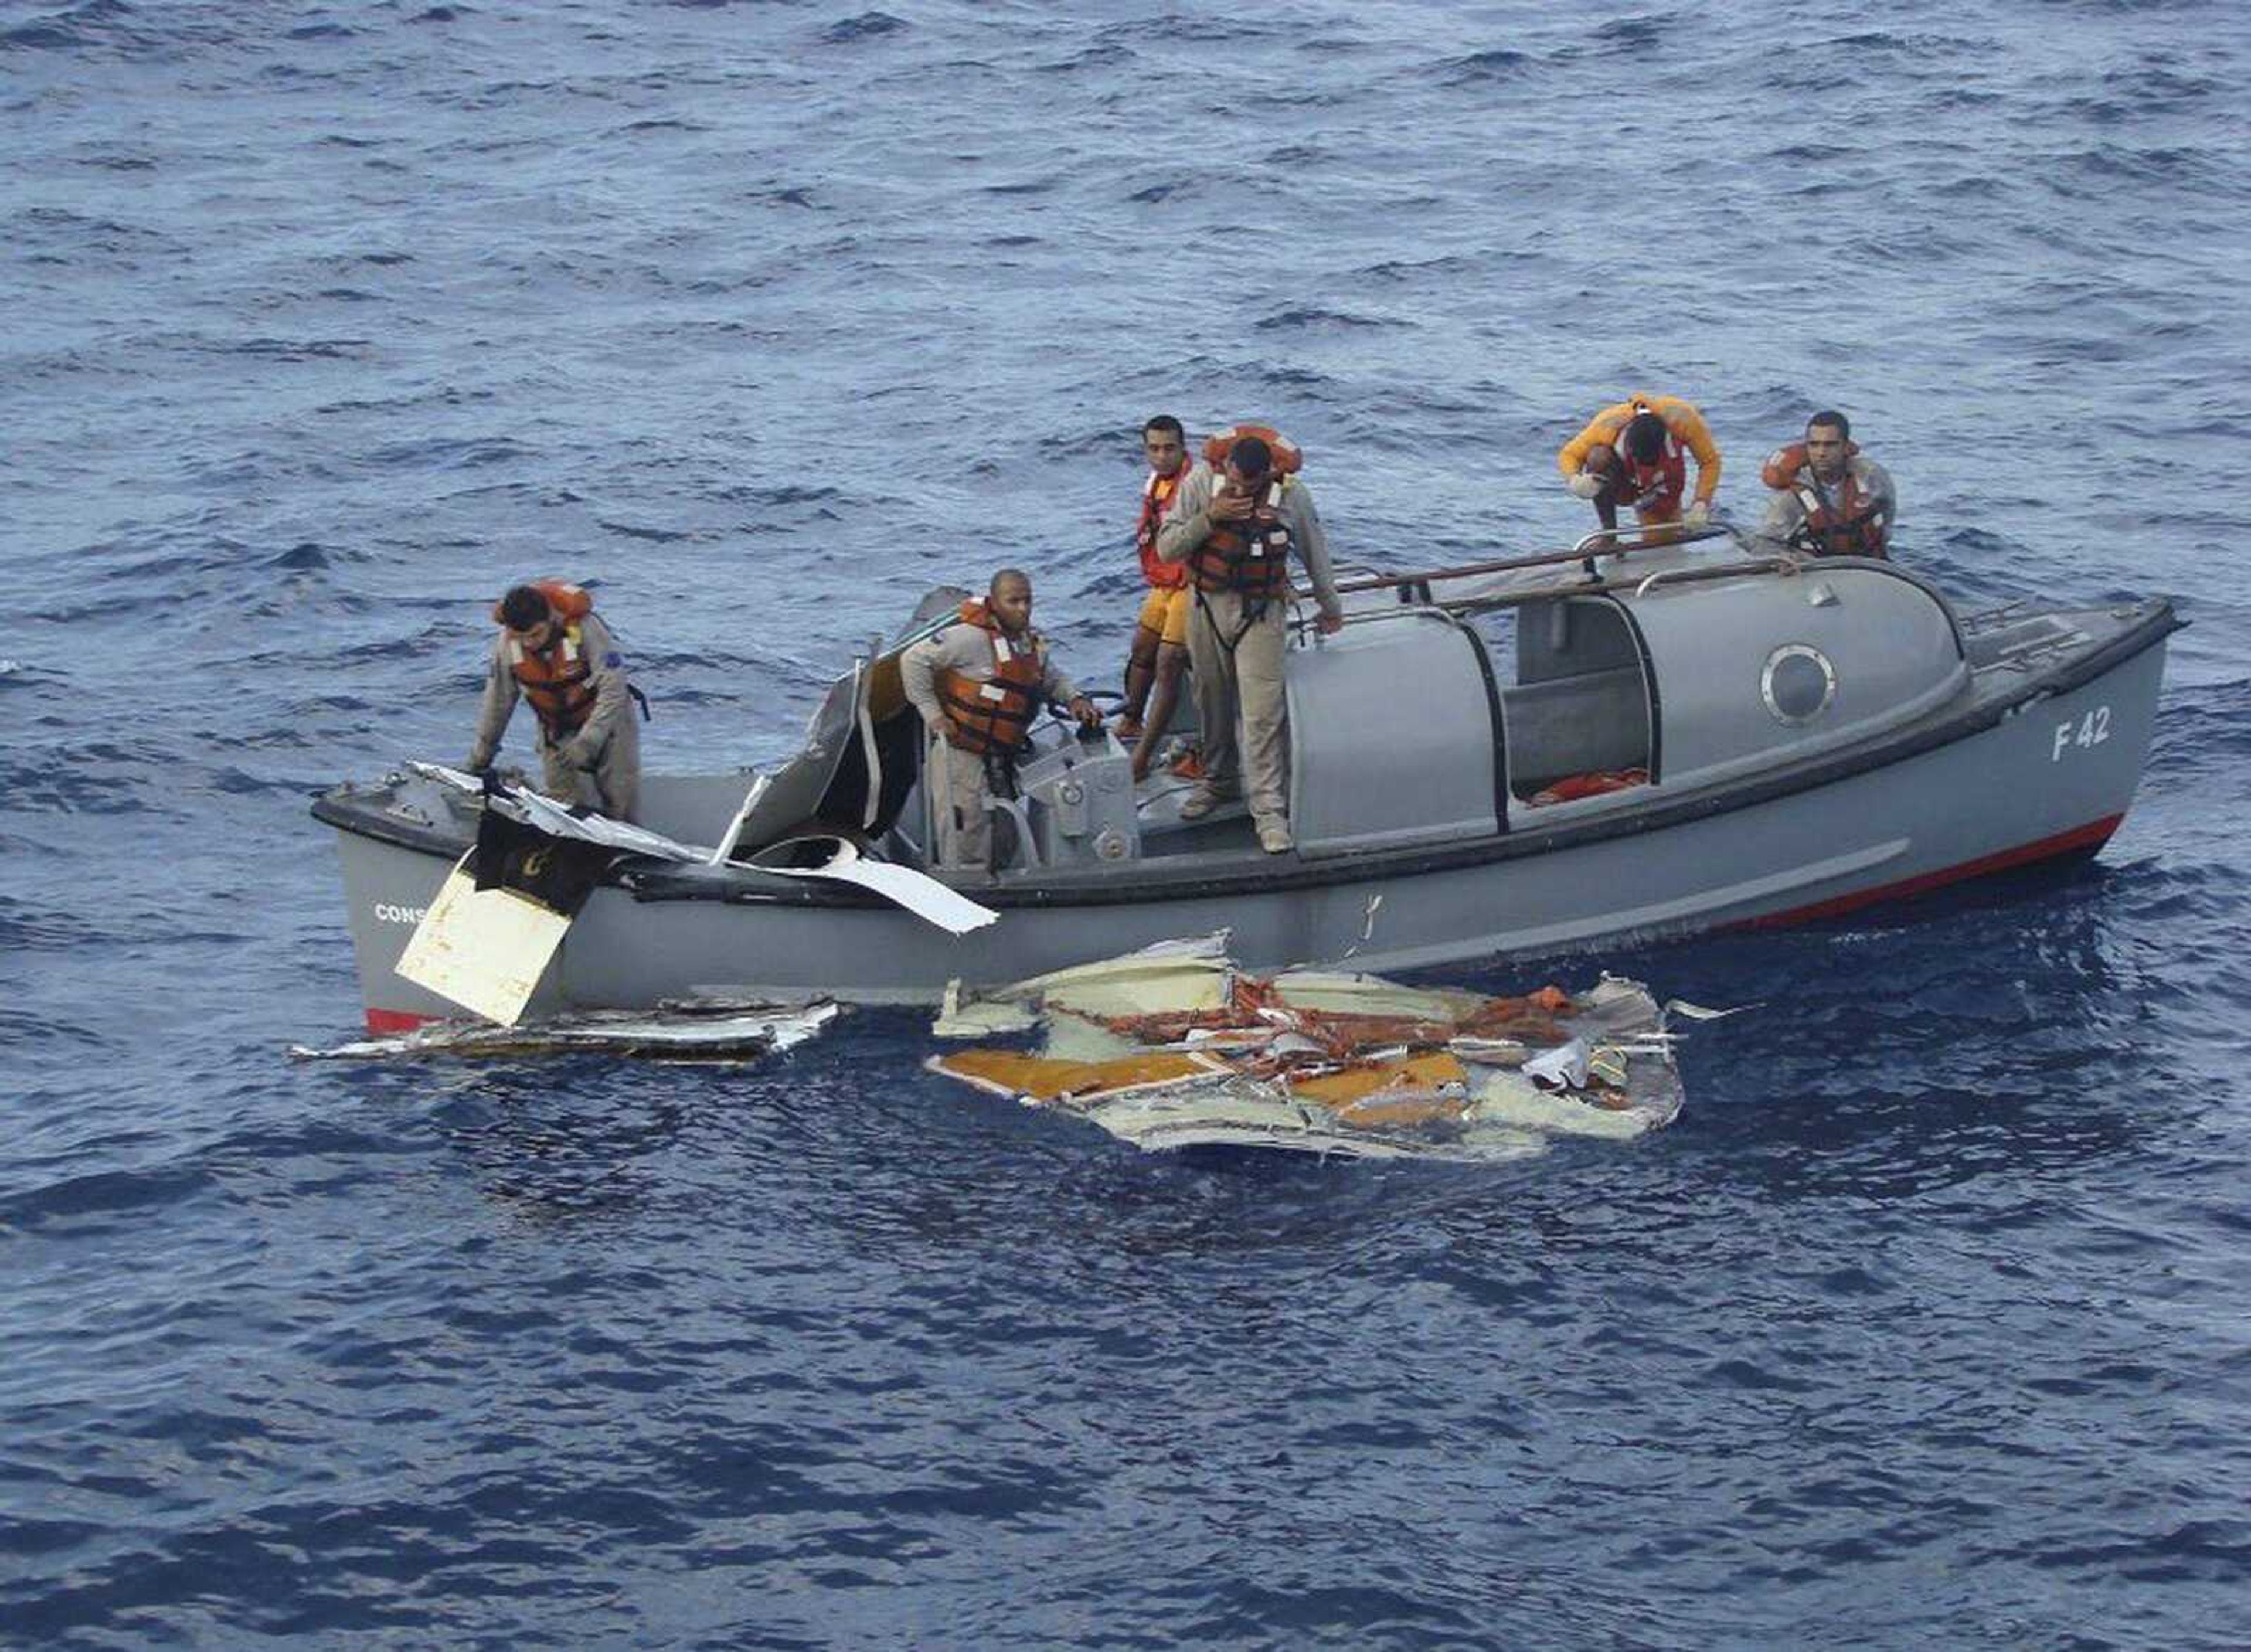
(1798, 683)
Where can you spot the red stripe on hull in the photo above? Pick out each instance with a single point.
(2090, 836)
(383, 1021)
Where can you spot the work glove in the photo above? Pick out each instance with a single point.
(1700, 514)
(1586, 484)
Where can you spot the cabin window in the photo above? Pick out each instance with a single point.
(1575, 703)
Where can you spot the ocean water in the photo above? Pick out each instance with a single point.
(1925, 1326)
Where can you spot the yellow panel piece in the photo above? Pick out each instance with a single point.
(1351, 1090)
(1038, 1079)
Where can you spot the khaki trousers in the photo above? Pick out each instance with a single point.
(961, 833)
(613, 785)
(1243, 687)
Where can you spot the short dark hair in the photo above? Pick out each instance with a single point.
(1835, 421)
(1644, 437)
(523, 607)
(1002, 576)
(1251, 456)
(1169, 425)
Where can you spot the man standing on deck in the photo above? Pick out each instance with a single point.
(1829, 499)
(553, 652)
(1636, 452)
(1234, 528)
(978, 684)
(1160, 637)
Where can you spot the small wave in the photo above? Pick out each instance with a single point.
(658, 535)
(104, 1193)
(448, 456)
(2111, 161)
(1626, 34)
(1312, 318)
(96, 23)
(1100, 56)
(1400, 269)
(1496, 64)
(868, 25)
(786, 494)
(293, 349)
(1917, 45)
(29, 928)
(2152, 89)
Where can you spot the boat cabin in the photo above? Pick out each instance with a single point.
(1450, 708)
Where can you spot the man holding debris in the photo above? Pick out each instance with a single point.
(553, 652)
(978, 684)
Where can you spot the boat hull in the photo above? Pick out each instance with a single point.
(2054, 778)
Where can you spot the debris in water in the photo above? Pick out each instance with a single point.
(1176, 1046)
(683, 1033)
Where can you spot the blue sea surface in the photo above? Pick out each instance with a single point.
(1926, 1326)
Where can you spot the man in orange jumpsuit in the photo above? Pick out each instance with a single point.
(1636, 452)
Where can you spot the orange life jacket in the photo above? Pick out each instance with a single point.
(1251, 556)
(1657, 487)
(1840, 521)
(1288, 457)
(1156, 499)
(555, 681)
(993, 713)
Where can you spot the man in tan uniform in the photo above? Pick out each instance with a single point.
(978, 684)
(553, 652)
(1236, 528)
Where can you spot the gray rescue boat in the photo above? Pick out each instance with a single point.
(1549, 753)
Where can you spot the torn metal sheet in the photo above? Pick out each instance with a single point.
(482, 950)
(733, 1035)
(978, 1017)
(557, 821)
(919, 893)
(1170, 976)
(923, 896)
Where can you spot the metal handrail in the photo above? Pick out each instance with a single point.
(1593, 585)
(1794, 564)
(1585, 551)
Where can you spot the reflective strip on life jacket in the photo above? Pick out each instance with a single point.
(1855, 528)
(1251, 557)
(993, 713)
(1156, 499)
(1656, 486)
(556, 681)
